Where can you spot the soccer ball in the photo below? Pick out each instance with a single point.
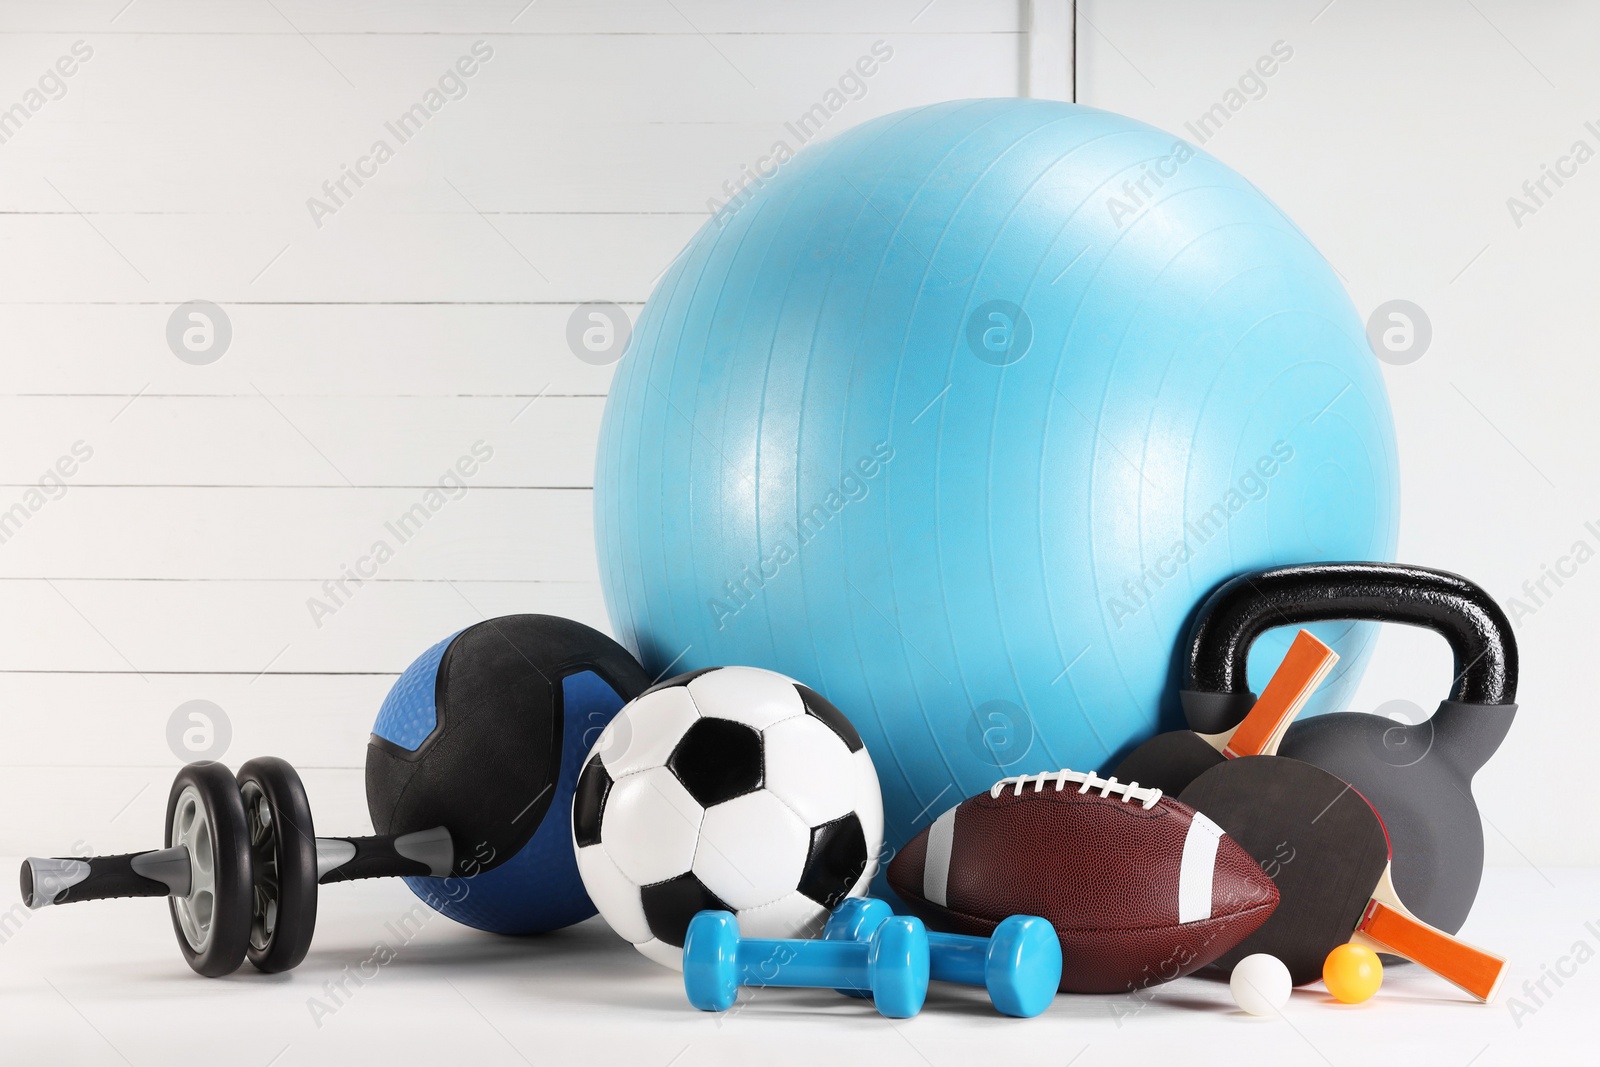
(730, 788)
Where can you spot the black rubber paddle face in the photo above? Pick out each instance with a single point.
(1317, 838)
(205, 813)
(284, 851)
(1169, 761)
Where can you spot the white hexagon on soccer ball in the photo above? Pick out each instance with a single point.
(643, 733)
(792, 915)
(752, 850)
(615, 895)
(651, 826)
(811, 769)
(750, 695)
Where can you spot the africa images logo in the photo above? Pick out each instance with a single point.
(1198, 532)
(851, 85)
(451, 85)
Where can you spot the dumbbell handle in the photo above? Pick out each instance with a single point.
(807, 964)
(68, 880)
(424, 854)
(959, 958)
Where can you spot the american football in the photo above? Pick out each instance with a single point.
(1140, 888)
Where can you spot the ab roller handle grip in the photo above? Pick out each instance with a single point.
(1240, 610)
(165, 872)
(47, 881)
(423, 854)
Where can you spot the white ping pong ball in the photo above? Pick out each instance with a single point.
(1260, 984)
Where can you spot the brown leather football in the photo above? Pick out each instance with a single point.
(1140, 888)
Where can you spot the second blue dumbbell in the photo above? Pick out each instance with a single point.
(892, 963)
(1019, 964)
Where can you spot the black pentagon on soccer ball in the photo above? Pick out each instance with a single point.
(678, 680)
(818, 707)
(717, 760)
(835, 861)
(589, 803)
(669, 905)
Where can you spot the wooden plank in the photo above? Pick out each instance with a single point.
(337, 350)
(107, 720)
(545, 164)
(241, 627)
(306, 534)
(632, 17)
(360, 256)
(262, 440)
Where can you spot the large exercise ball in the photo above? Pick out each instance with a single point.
(958, 417)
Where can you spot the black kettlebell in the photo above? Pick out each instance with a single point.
(1418, 777)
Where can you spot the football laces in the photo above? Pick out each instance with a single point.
(1085, 781)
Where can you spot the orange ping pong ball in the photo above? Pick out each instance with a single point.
(1352, 973)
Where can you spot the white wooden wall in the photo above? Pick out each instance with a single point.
(368, 353)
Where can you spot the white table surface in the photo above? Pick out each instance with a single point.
(104, 984)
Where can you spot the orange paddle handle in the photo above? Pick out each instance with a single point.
(1307, 662)
(1474, 970)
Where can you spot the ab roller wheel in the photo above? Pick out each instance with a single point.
(240, 868)
(211, 914)
(284, 847)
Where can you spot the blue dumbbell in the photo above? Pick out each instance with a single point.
(892, 963)
(1019, 964)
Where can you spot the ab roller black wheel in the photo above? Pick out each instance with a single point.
(283, 845)
(240, 868)
(211, 913)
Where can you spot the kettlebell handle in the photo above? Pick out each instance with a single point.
(1243, 608)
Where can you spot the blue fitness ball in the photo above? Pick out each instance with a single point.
(958, 416)
(485, 735)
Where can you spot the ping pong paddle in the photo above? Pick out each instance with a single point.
(1328, 852)
(1170, 761)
